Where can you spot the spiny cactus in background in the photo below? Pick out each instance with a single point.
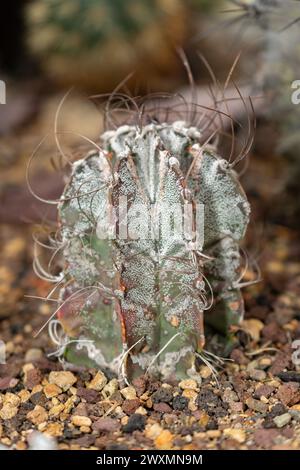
(110, 39)
(274, 26)
(150, 228)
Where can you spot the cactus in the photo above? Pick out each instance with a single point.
(138, 281)
(276, 24)
(110, 39)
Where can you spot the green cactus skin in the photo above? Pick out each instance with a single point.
(136, 305)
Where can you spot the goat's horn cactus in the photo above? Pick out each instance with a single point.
(138, 279)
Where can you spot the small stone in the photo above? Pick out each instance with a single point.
(180, 403)
(32, 378)
(205, 372)
(263, 391)
(253, 327)
(281, 362)
(141, 410)
(237, 434)
(8, 382)
(213, 433)
(110, 388)
(128, 393)
(63, 379)
(264, 362)
(85, 429)
(88, 394)
(136, 422)
(256, 405)
(54, 429)
(289, 393)
(98, 382)
(203, 419)
(140, 385)
(164, 441)
(229, 396)
(12, 399)
(38, 415)
(265, 437)
(129, 406)
(239, 357)
(282, 420)
(188, 384)
(81, 421)
(33, 355)
(8, 411)
(56, 410)
(257, 374)
(273, 332)
(163, 394)
(106, 425)
(153, 431)
(236, 406)
(162, 408)
(24, 395)
(289, 376)
(52, 390)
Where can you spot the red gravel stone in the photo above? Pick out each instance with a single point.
(130, 406)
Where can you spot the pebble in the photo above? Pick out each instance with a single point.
(264, 391)
(213, 433)
(63, 379)
(33, 354)
(38, 415)
(32, 377)
(162, 408)
(188, 384)
(205, 372)
(282, 420)
(98, 382)
(129, 393)
(257, 405)
(141, 410)
(8, 411)
(54, 429)
(238, 435)
(164, 441)
(180, 403)
(8, 382)
(130, 406)
(257, 374)
(253, 327)
(229, 396)
(289, 393)
(136, 422)
(87, 394)
(163, 394)
(153, 431)
(110, 388)
(12, 399)
(79, 421)
(52, 390)
(106, 425)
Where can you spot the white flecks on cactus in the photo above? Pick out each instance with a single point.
(139, 293)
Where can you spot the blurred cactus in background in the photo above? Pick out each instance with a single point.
(96, 43)
(135, 304)
(273, 26)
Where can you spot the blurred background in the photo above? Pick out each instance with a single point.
(82, 48)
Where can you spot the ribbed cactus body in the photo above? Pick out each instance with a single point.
(136, 291)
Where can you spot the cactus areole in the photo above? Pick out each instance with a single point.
(150, 228)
